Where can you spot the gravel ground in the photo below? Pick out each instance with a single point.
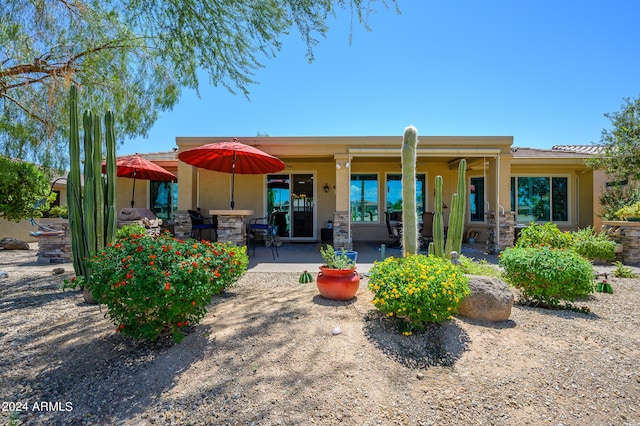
(266, 355)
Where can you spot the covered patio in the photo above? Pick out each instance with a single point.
(300, 257)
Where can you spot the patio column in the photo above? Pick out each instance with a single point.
(187, 181)
(341, 217)
(500, 218)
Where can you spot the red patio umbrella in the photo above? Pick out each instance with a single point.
(136, 167)
(232, 157)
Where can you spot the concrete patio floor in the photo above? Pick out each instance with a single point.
(300, 257)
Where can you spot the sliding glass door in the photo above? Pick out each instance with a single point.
(292, 198)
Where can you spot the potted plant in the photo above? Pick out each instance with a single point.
(351, 254)
(337, 279)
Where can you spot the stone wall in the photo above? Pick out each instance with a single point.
(627, 235)
(55, 248)
(341, 230)
(507, 231)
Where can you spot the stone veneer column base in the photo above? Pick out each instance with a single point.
(182, 221)
(627, 235)
(341, 230)
(55, 248)
(507, 231)
(232, 229)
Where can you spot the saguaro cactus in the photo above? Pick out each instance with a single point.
(437, 246)
(89, 230)
(456, 217)
(409, 214)
(458, 208)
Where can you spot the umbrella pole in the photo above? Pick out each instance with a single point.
(233, 175)
(134, 188)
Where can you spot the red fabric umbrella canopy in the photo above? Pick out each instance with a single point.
(232, 157)
(136, 167)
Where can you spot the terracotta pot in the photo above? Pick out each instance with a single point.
(338, 284)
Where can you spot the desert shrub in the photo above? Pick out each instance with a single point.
(622, 271)
(547, 274)
(591, 245)
(59, 211)
(479, 267)
(129, 231)
(628, 211)
(418, 289)
(157, 286)
(547, 234)
(617, 197)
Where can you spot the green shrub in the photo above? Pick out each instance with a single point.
(418, 289)
(129, 231)
(590, 245)
(59, 211)
(628, 212)
(481, 267)
(547, 234)
(547, 274)
(622, 271)
(616, 197)
(157, 286)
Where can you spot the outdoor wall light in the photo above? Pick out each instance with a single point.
(339, 165)
(326, 188)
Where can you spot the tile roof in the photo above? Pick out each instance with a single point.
(581, 149)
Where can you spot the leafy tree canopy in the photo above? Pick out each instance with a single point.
(620, 157)
(24, 190)
(134, 57)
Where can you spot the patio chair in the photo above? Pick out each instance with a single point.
(264, 229)
(200, 223)
(394, 231)
(426, 233)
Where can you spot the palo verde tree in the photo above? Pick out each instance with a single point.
(620, 156)
(134, 57)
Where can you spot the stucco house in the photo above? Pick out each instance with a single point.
(353, 181)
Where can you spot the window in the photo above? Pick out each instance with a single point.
(540, 198)
(364, 198)
(394, 193)
(476, 199)
(164, 199)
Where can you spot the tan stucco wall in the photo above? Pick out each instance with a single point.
(19, 230)
(581, 204)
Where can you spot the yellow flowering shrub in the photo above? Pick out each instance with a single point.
(418, 289)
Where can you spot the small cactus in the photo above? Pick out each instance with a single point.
(305, 278)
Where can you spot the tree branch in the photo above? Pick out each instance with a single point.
(19, 105)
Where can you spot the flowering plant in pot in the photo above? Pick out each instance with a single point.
(337, 279)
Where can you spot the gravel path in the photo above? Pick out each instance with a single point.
(266, 355)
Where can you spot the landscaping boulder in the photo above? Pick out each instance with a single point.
(490, 300)
(9, 243)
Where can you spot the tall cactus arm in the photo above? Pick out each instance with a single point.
(454, 218)
(409, 213)
(98, 185)
(74, 190)
(438, 223)
(462, 204)
(89, 200)
(111, 169)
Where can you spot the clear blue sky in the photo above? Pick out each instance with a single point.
(543, 71)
